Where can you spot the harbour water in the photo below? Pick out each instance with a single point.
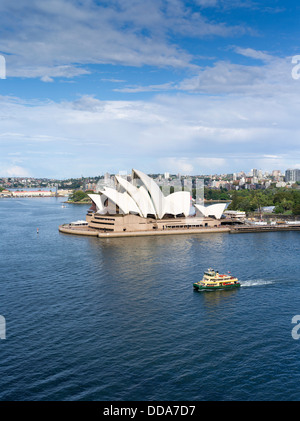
(117, 319)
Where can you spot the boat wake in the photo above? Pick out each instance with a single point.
(255, 282)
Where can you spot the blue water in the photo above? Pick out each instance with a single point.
(117, 319)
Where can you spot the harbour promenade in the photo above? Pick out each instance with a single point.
(264, 228)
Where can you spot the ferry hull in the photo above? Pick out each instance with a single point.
(199, 287)
(213, 280)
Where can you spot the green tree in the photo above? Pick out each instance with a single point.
(296, 209)
(234, 205)
(279, 209)
(77, 196)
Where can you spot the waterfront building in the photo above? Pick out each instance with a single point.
(5, 193)
(140, 205)
(34, 193)
(235, 214)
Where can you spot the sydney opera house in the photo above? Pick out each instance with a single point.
(139, 205)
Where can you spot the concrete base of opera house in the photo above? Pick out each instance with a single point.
(77, 230)
(118, 225)
(96, 233)
(87, 231)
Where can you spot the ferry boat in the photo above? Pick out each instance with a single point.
(213, 280)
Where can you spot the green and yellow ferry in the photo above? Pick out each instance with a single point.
(213, 280)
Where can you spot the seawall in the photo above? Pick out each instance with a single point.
(84, 230)
(264, 228)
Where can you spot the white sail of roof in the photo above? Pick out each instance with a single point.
(178, 202)
(146, 202)
(154, 191)
(139, 195)
(215, 210)
(97, 199)
(125, 203)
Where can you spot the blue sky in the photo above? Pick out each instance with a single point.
(195, 87)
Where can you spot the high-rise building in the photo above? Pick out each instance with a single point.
(292, 175)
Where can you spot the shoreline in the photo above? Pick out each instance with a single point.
(86, 231)
(82, 230)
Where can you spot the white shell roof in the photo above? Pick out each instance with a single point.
(125, 203)
(149, 199)
(139, 195)
(178, 202)
(156, 194)
(214, 210)
(96, 198)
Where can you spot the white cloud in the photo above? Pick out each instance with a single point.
(192, 165)
(16, 171)
(250, 52)
(243, 4)
(47, 79)
(207, 3)
(246, 117)
(58, 38)
(240, 112)
(176, 165)
(269, 78)
(150, 88)
(186, 132)
(225, 77)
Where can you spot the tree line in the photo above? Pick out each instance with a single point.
(285, 201)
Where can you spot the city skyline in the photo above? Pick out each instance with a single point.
(175, 86)
(289, 173)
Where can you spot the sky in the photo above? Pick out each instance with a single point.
(179, 86)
